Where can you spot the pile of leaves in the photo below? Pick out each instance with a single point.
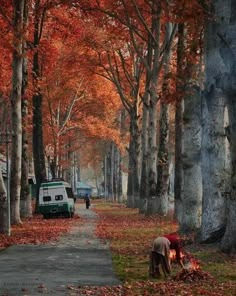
(192, 275)
(37, 230)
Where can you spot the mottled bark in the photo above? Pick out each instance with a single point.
(213, 161)
(228, 243)
(191, 161)
(163, 161)
(225, 32)
(163, 149)
(25, 198)
(214, 215)
(15, 180)
(144, 184)
(179, 125)
(152, 132)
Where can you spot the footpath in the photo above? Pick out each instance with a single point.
(78, 259)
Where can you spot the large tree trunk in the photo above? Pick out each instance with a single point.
(191, 161)
(16, 112)
(228, 243)
(152, 202)
(178, 174)
(213, 161)
(38, 148)
(163, 161)
(221, 37)
(25, 198)
(214, 215)
(144, 186)
(163, 151)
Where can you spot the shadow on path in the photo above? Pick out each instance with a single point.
(79, 258)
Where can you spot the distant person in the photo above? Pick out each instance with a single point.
(87, 201)
(160, 255)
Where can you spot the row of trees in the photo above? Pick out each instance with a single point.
(181, 53)
(55, 100)
(153, 55)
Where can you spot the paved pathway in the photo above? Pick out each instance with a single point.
(79, 258)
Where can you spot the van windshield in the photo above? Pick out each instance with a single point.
(69, 192)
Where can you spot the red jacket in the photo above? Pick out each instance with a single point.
(174, 244)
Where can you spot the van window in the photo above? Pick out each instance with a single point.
(69, 192)
(58, 197)
(47, 198)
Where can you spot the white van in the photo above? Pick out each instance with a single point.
(56, 199)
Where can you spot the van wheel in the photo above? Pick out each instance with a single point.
(72, 215)
(68, 214)
(46, 216)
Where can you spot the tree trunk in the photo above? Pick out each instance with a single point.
(110, 172)
(213, 160)
(3, 206)
(221, 72)
(163, 161)
(178, 174)
(163, 151)
(134, 162)
(152, 206)
(214, 155)
(144, 167)
(152, 202)
(38, 149)
(120, 188)
(228, 243)
(116, 172)
(17, 63)
(191, 161)
(25, 198)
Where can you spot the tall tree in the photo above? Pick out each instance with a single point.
(17, 63)
(213, 157)
(220, 84)
(25, 198)
(38, 148)
(192, 132)
(163, 150)
(179, 123)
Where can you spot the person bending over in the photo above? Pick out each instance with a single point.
(160, 255)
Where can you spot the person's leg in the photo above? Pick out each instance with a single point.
(165, 265)
(154, 263)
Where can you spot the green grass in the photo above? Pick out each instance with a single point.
(131, 237)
